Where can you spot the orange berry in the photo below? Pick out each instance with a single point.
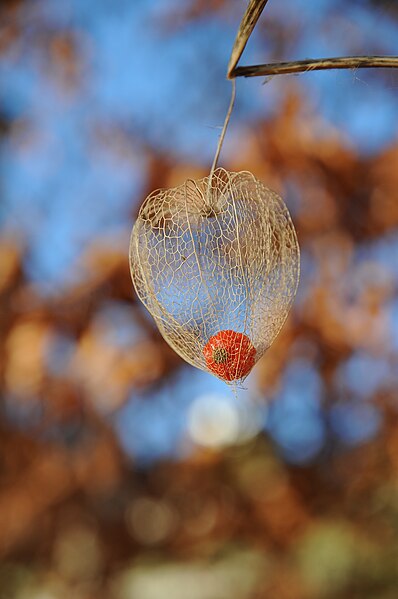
(229, 355)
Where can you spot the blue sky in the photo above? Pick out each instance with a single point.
(65, 182)
(168, 89)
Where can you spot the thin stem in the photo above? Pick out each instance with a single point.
(319, 64)
(224, 129)
(222, 136)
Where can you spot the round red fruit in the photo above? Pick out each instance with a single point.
(229, 355)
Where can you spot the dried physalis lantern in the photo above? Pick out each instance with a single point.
(216, 263)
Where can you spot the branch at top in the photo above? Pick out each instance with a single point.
(249, 20)
(319, 64)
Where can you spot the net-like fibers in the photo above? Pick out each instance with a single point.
(217, 266)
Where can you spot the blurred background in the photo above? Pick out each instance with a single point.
(124, 472)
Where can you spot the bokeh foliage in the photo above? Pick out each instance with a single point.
(125, 474)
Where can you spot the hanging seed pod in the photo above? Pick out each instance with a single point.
(217, 266)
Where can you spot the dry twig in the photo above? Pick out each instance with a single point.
(246, 27)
